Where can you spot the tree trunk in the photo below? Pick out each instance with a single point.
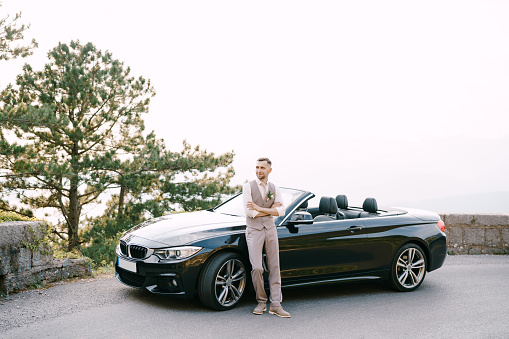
(74, 202)
(121, 201)
(74, 216)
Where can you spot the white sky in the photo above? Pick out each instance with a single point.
(400, 100)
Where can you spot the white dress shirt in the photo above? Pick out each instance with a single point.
(246, 194)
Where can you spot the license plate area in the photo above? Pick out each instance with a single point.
(127, 265)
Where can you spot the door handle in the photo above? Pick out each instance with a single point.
(354, 229)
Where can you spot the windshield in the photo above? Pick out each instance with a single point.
(235, 206)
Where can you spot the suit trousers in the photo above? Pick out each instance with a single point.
(256, 239)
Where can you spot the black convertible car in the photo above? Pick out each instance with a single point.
(205, 252)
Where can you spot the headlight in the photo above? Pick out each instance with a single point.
(176, 252)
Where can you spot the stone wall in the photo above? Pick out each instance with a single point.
(477, 233)
(27, 260)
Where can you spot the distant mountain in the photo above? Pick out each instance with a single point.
(493, 202)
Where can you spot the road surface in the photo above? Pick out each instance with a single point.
(467, 298)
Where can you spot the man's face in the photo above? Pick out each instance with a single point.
(262, 170)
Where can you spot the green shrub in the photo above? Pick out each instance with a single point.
(102, 250)
(13, 216)
(101, 237)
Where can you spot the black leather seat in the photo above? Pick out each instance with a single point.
(370, 208)
(328, 209)
(342, 202)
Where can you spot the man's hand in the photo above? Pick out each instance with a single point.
(252, 206)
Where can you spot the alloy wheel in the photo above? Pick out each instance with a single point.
(410, 267)
(230, 282)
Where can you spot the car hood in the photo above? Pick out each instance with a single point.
(184, 228)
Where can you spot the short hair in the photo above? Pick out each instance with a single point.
(265, 159)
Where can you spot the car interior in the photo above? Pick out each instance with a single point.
(338, 209)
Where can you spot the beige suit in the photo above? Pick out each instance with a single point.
(260, 232)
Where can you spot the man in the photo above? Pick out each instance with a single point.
(262, 201)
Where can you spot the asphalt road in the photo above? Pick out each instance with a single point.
(467, 298)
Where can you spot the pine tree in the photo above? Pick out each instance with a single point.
(11, 32)
(83, 135)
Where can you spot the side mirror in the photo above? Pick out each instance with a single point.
(300, 218)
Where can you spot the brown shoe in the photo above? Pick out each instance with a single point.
(278, 310)
(262, 307)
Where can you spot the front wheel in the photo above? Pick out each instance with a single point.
(223, 282)
(408, 268)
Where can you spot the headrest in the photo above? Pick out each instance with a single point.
(304, 204)
(342, 201)
(370, 205)
(328, 205)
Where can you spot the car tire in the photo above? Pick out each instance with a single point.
(409, 268)
(223, 281)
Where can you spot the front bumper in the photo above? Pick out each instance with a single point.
(176, 279)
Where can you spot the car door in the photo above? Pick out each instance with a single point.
(385, 236)
(322, 250)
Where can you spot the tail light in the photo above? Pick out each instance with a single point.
(441, 225)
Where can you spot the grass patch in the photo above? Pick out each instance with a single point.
(107, 270)
(35, 286)
(13, 216)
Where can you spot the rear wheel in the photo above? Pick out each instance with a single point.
(408, 268)
(223, 281)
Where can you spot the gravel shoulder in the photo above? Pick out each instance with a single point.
(57, 299)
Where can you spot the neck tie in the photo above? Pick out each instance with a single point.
(264, 191)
